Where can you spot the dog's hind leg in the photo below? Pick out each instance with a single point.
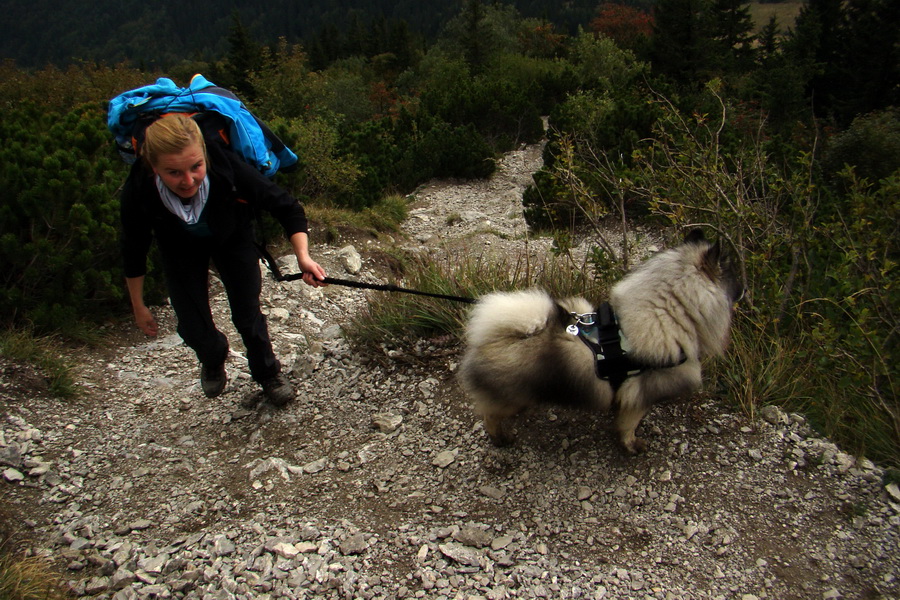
(493, 415)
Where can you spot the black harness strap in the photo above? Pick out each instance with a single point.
(613, 363)
(603, 337)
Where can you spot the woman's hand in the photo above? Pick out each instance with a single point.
(313, 274)
(145, 321)
(142, 315)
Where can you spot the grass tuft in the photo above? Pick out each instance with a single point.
(383, 217)
(399, 316)
(28, 578)
(22, 345)
(760, 369)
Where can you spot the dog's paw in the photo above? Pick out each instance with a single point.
(493, 427)
(635, 446)
(501, 439)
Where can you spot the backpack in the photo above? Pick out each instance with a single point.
(221, 115)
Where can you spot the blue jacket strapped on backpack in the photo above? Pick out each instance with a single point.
(249, 137)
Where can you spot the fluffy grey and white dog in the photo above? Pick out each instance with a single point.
(672, 311)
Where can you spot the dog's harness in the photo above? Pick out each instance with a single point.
(601, 333)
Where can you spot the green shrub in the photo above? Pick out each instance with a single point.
(546, 203)
(397, 156)
(871, 145)
(58, 237)
(325, 173)
(543, 82)
(374, 148)
(447, 151)
(851, 311)
(601, 65)
(602, 122)
(497, 104)
(52, 89)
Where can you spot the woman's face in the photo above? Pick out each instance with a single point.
(182, 172)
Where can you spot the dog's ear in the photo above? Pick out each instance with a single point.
(695, 236)
(711, 262)
(726, 269)
(715, 254)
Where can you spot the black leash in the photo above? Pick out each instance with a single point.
(277, 274)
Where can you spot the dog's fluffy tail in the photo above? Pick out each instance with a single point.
(517, 314)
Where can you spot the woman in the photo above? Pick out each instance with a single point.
(196, 200)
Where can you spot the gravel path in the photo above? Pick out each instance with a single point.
(378, 482)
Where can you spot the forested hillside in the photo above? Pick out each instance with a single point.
(160, 33)
(784, 142)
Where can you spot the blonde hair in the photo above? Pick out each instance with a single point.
(170, 134)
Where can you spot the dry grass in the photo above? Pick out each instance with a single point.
(760, 369)
(383, 217)
(28, 578)
(399, 316)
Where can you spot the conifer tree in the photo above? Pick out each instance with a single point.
(820, 45)
(401, 44)
(872, 55)
(358, 42)
(694, 40)
(475, 52)
(768, 39)
(681, 48)
(245, 56)
(848, 54)
(731, 28)
(777, 82)
(325, 48)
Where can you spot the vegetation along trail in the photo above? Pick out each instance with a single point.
(378, 481)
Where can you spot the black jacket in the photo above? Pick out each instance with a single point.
(235, 189)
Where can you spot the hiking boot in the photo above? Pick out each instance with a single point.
(212, 380)
(278, 390)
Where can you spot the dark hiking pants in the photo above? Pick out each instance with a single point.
(187, 277)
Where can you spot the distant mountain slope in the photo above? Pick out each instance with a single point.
(41, 32)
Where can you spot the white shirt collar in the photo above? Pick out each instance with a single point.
(190, 212)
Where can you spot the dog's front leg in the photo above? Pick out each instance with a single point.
(627, 422)
(493, 426)
(639, 393)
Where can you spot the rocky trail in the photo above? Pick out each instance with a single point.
(379, 483)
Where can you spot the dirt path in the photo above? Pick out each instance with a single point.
(378, 482)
